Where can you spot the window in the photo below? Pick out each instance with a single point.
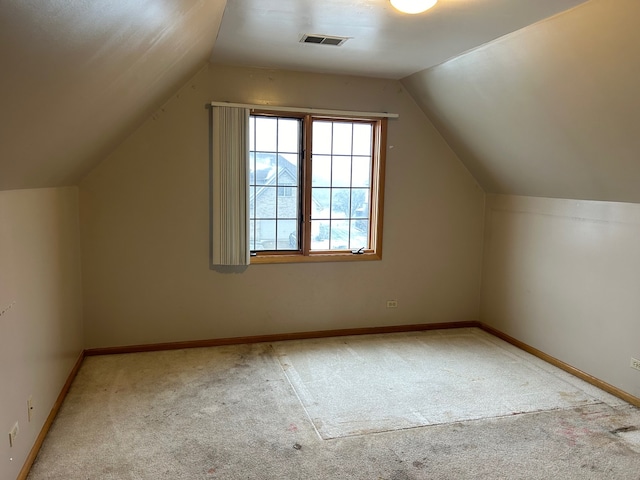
(315, 188)
(284, 191)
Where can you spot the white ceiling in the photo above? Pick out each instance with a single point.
(79, 76)
(383, 42)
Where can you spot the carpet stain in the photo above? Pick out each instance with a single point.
(400, 475)
(419, 465)
(573, 397)
(211, 470)
(572, 433)
(293, 427)
(593, 468)
(590, 415)
(624, 429)
(440, 449)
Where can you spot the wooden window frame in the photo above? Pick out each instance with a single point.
(376, 204)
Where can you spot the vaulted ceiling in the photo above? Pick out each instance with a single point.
(77, 77)
(537, 97)
(552, 110)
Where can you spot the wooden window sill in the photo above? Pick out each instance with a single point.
(315, 258)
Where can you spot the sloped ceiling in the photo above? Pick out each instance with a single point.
(552, 110)
(78, 77)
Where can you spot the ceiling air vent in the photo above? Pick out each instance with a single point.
(323, 39)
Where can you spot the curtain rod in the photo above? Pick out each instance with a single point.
(318, 111)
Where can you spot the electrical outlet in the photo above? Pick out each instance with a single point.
(13, 433)
(392, 304)
(635, 363)
(30, 407)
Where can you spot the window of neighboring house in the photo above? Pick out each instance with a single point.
(285, 191)
(326, 205)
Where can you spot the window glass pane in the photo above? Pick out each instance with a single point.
(339, 235)
(362, 138)
(360, 202)
(252, 168)
(294, 237)
(321, 138)
(359, 234)
(287, 234)
(252, 133)
(266, 134)
(342, 138)
(265, 164)
(361, 173)
(288, 135)
(252, 202)
(288, 202)
(320, 234)
(265, 235)
(341, 172)
(266, 202)
(320, 203)
(321, 171)
(252, 235)
(288, 169)
(340, 202)
(274, 183)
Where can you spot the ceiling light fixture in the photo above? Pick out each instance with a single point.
(413, 6)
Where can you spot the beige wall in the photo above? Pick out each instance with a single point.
(552, 111)
(562, 276)
(145, 227)
(41, 334)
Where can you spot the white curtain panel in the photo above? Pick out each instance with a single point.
(230, 184)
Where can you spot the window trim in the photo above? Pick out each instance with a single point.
(305, 254)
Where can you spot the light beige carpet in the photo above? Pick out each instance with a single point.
(231, 413)
(377, 383)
